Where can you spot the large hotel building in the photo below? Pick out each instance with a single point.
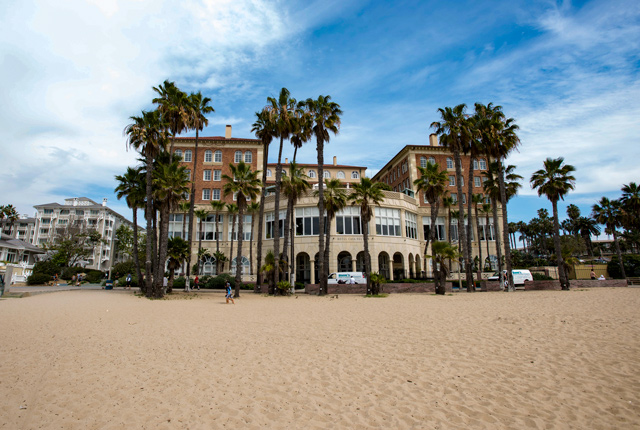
(397, 230)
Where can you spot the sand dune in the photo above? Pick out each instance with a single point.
(111, 360)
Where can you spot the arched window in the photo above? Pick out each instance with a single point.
(449, 163)
(327, 174)
(423, 162)
(432, 160)
(312, 173)
(268, 173)
(178, 153)
(217, 156)
(355, 175)
(483, 164)
(238, 157)
(244, 264)
(208, 156)
(248, 157)
(209, 266)
(187, 156)
(340, 175)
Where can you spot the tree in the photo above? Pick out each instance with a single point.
(441, 253)
(325, 116)
(253, 209)
(607, 212)
(432, 183)
(282, 114)
(177, 251)
(488, 210)
(73, 245)
(202, 215)
(184, 208)
(10, 212)
(477, 199)
(455, 134)
(554, 181)
(217, 207)
(243, 183)
(294, 185)
(173, 104)
(131, 186)
(232, 210)
(148, 135)
(366, 194)
(335, 199)
(124, 241)
(264, 129)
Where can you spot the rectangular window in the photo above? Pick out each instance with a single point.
(307, 221)
(387, 222)
(217, 175)
(476, 181)
(208, 155)
(188, 172)
(411, 225)
(217, 157)
(246, 228)
(206, 194)
(454, 197)
(206, 176)
(93, 212)
(348, 221)
(440, 227)
(48, 211)
(464, 199)
(44, 231)
(215, 194)
(209, 227)
(79, 212)
(269, 222)
(45, 221)
(462, 181)
(486, 232)
(452, 181)
(64, 212)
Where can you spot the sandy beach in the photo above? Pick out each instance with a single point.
(111, 360)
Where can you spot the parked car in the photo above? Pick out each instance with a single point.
(345, 277)
(520, 276)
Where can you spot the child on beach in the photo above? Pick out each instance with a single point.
(229, 295)
(196, 283)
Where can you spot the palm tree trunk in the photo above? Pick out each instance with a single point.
(287, 230)
(367, 257)
(486, 238)
(164, 232)
(136, 257)
(148, 264)
(184, 225)
(562, 274)
(192, 201)
(253, 221)
(322, 267)
(505, 226)
(480, 262)
(276, 215)
(469, 227)
(434, 206)
(233, 230)
(218, 270)
(328, 242)
(618, 253)
(496, 236)
(261, 219)
(241, 205)
(200, 234)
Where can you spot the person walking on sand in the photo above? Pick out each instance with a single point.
(128, 287)
(229, 295)
(196, 283)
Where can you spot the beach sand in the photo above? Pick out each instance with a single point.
(111, 360)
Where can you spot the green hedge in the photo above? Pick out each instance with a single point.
(38, 279)
(631, 266)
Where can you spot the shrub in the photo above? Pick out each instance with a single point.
(219, 281)
(122, 281)
(205, 281)
(247, 286)
(454, 284)
(38, 279)
(631, 266)
(121, 269)
(46, 267)
(179, 282)
(541, 277)
(299, 285)
(94, 276)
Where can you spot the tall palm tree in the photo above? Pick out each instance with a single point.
(631, 198)
(487, 210)
(232, 209)
(326, 119)
(432, 182)
(177, 250)
(554, 181)
(198, 109)
(253, 209)
(170, 183)
(294, 186)
(184, 208)
(131, 186)
(148, 135)
(264, 129)
(455, 134)
(217, 207)
(173, 104)
(447, 203)
(607, 212)
(282, 113)
(202, 215)
(244, 183)
(366, 194)
(587, 227)
(335, 199)
(477, 199)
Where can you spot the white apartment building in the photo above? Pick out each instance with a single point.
(54, 218)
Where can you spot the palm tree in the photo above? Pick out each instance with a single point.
(253, 209)
(587, 227)
(456, 134)
(184, 208)
(335, 199)
(217, 207)
(293, 186)
(202, 215)
(325, 116)
(477, 199)
(148, 135)
(432, 182)
(198, 109)
(441, 253)
(554, 181)
(177, 251)
(631, 198)
(173, 104)
(607, 212)
(366, 194)
(232, 209)
(131, 186)
(244, 183)
(282, 114)
(487, 210)
(171, 183)
(264, 129)
(447, 203)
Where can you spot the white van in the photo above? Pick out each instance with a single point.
(345, 277)
(520, 276)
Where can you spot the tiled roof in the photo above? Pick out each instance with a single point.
(326, 166)
(221, 138)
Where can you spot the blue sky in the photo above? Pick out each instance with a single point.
(75, 71)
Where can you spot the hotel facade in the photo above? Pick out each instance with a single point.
(397, 230)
